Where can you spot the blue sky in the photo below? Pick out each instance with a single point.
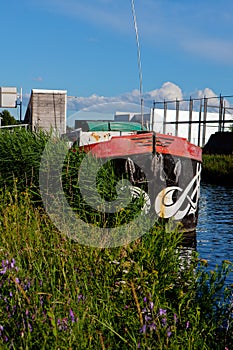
(88, 48)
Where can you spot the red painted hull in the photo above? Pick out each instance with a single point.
(143, 143)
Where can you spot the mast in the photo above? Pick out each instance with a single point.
(139, 61)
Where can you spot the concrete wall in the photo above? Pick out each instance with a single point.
(47, 110)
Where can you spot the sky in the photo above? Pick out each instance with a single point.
(89, 48)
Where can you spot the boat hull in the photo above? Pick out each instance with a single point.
(165, 169)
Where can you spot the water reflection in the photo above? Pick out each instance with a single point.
(188, 246)
(215, 224)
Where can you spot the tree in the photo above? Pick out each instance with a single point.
(7, 118)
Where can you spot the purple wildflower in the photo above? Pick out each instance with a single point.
(3, 271)
(187, 325)
(143, 329)
(162, 312)
(169, 333)
(72, 316)
(152, 326)
(27, 285)
(164, 321)
(145, 299)
(81, 297)
(147, 318)
(175, 318)
(6, 265)
(151, 305)
(12, 264)
(62, 324)
(16, 280)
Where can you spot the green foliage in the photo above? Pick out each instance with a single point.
(7, 118)
(20, 157)
(108, 187)
(217, 169)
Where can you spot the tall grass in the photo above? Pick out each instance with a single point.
(58, 294)
(108, 187)
(218, 169)
(21, 152)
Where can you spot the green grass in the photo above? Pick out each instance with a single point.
(58, 294)
(218, 169)
(20, 157)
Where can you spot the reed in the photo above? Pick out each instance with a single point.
(218, 169)
(20, 151)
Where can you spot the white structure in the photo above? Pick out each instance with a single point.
(47, 110)
(8, 97)
(183, 128)
(155, 121)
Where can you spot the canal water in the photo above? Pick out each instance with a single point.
(214, 234)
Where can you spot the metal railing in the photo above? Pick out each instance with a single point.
(204, 108)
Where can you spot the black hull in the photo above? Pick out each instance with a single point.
(171, 185)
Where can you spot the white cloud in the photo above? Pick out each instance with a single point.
(168, 91)
(130, 101)
(103, 107)
(207, 92)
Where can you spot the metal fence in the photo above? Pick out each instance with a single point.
(216, 111)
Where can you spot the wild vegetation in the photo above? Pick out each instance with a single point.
(58, 294)
(218, 169)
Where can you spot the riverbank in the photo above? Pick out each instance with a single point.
(217, 169)
(58, 293)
